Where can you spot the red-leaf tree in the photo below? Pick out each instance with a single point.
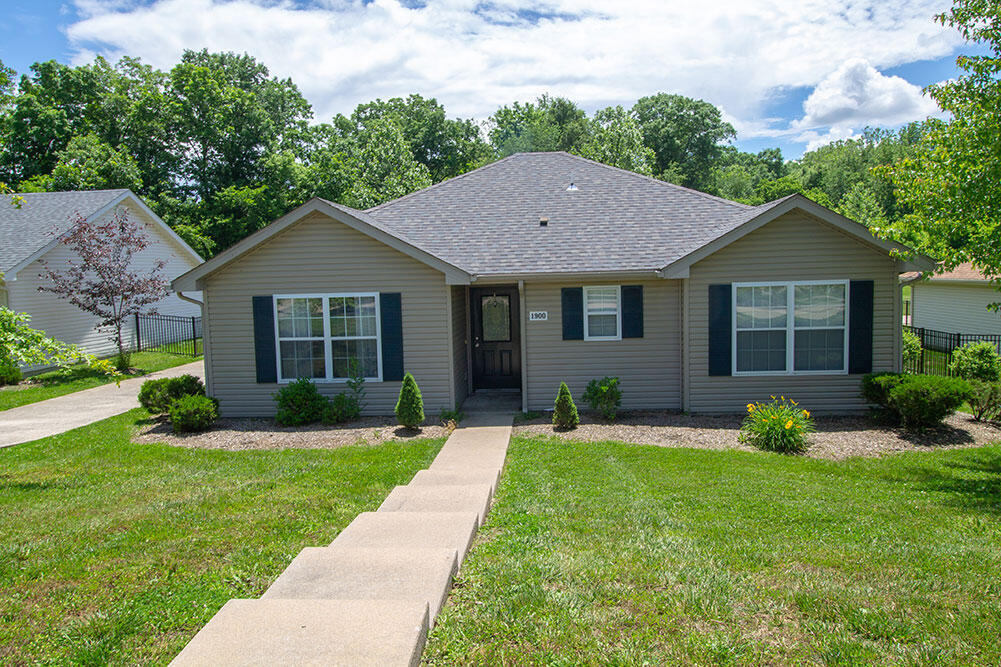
(100, 279)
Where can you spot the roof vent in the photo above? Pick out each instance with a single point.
(572, 187)
(543, 222)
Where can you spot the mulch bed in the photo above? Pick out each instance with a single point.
(836, 437)
(251, 433)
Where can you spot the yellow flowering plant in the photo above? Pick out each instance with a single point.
(779, 425)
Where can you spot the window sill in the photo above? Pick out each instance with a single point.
(326, 380)
(784, 373)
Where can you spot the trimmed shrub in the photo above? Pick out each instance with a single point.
(604, 396)
(876, 387)
(777, 426)
(911, 349)
(922, 401)
(157, 395)
(565, 411)
(410, 406)
(341, 408)
(9, 371)
(985, 400)
(299, 403)
(193, 413)
(976, 361)
(153, 396)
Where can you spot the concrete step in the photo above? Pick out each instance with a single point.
(457, 478)
(468, 459)
(410, 530)
(468, 498)
(329, 573)
(310, 632)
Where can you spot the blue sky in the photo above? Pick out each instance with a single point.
(787, 73)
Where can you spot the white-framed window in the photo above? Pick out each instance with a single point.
(602, 313)
(790, 328)
(317, 336)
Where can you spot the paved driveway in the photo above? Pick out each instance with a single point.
(63, 413)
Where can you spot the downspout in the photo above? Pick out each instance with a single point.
(524, 345)
(182, 297)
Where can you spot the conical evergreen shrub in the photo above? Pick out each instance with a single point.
(410, 406)
(565, 412)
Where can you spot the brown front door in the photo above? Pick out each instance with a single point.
(496, 337)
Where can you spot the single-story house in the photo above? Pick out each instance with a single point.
(955, 301)
(547, 267)
(31, 235)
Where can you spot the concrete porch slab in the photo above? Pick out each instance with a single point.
(468, 498)
(410, 530)
(457, 478)
(310, 632)
(341, 573)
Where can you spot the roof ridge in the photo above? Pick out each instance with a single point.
(66, 192)
(440, 183)
(652, 179)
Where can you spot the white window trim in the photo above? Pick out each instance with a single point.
(327, 338)
(790, 327)
(618, 312)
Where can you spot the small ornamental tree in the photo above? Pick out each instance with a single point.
(101, 281)
(565, 411)
(410, 406)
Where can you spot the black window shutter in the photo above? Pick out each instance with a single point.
(720, 318)
(391, 315)
(573, 313)
(264, 340)
(632, 311)
(860, 326)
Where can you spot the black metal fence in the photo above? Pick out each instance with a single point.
(173, 334)
(937, 348)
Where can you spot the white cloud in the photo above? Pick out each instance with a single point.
(857, 94)
(474, 56)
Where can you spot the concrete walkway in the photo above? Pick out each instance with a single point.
(63, 413)
(371, 597)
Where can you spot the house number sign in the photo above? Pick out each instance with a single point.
(538, 315)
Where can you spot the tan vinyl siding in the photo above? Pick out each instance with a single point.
(320, 255)
(793, 247)
(460, 379)
(62, 320)
(956, 308)
(649, 368)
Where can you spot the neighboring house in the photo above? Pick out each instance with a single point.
(546, 267)
(30, 235)
(956, 301)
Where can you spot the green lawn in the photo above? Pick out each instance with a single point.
(113, 552)
(57, 382)
(619, 554)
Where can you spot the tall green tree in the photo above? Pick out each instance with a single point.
(447, 147)
(548, 124)
(615, 139)
(686, 136)
(87, 163)
(953, 183)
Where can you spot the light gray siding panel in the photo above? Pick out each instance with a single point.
(956, 308)
(320, 255)
(458, 296)
(649, 368)
(793, 247)
(62, 320)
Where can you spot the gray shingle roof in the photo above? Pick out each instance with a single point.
(26, 230)
(487, 221)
